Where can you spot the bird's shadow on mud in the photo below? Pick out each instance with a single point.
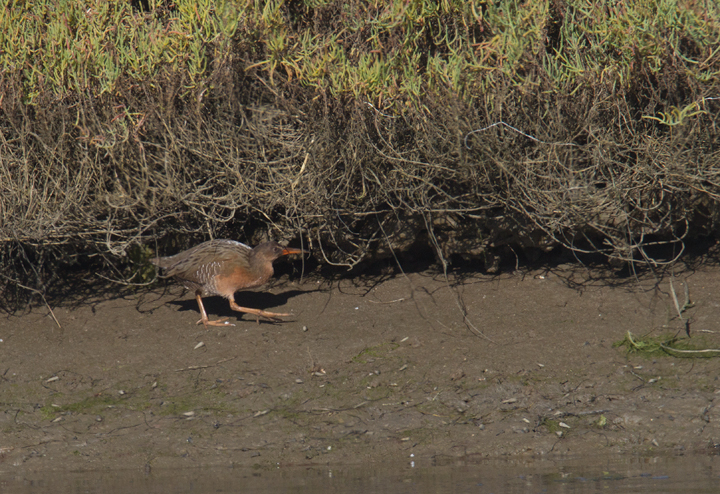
(219, 307)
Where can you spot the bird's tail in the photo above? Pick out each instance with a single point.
(161, 262)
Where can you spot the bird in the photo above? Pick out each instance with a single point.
(221, 267)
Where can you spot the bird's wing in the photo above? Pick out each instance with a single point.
(205, 261)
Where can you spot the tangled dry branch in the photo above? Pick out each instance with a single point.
(93, 180)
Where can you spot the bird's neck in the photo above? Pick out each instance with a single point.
(260, 266)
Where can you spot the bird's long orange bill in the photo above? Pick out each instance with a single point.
(289, 250)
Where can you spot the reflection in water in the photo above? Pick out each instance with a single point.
(639, 475)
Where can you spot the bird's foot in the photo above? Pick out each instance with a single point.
(216, 322)
(272, 316)
(258, 313)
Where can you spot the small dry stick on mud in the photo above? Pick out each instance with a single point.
(687, 305)
(690, 352)
(458, 299)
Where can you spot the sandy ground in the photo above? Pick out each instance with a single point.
(369, 369)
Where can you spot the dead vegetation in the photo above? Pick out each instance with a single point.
(97, 181)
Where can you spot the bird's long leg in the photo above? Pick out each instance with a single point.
(205, 321)
(257, 312)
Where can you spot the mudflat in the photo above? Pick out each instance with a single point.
(369, 369)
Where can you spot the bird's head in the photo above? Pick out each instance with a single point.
(269, 251)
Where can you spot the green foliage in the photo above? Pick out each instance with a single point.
(379, 351)
(139, 256)
(68, 47)
(653, 346)
(553, 426)
(91, 404)
(601, 422)
(367, 49)
(677, 116)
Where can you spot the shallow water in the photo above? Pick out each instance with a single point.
(691, 474)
